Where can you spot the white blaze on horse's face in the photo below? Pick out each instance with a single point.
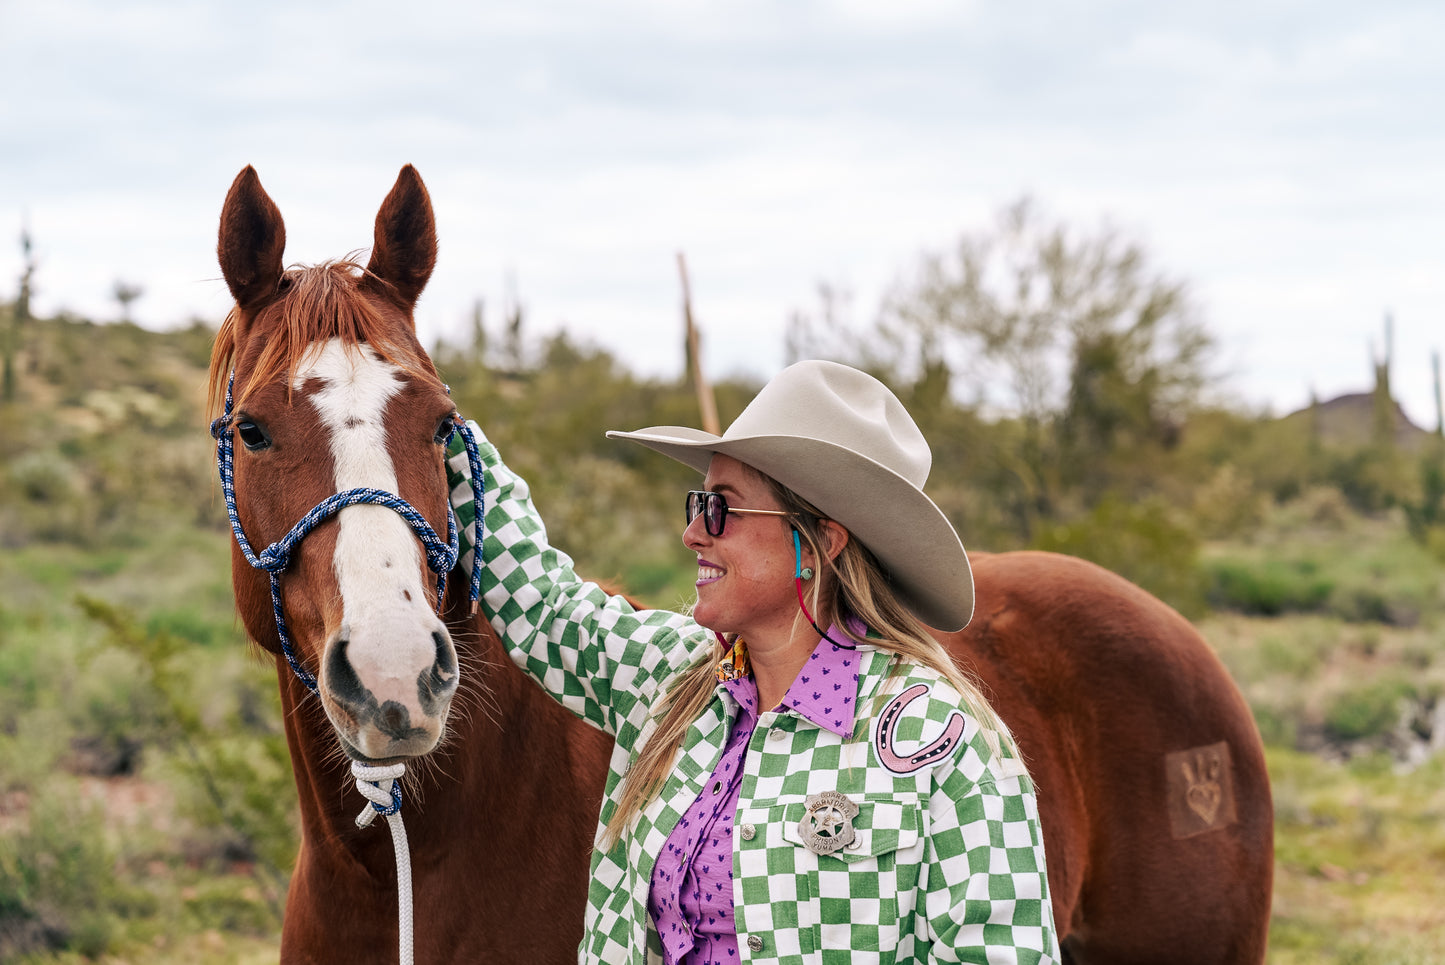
(389, 671)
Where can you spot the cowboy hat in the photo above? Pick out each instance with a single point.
(840, 439)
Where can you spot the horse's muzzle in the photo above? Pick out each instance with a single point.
(385, 709)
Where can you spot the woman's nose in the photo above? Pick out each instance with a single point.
(695, 534)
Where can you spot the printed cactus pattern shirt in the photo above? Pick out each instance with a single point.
(945, 857)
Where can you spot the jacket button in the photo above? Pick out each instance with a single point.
(776, 735)
(748, 832)
(755, 943)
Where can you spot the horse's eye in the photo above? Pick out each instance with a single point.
(444, 432)
(253, 436)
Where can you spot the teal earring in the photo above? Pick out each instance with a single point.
(800, 571)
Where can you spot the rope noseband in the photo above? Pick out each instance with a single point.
(380, 785)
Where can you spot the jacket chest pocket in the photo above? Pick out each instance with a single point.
(863, 896)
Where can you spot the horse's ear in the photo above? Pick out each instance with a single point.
(252, 241)
(405, 249)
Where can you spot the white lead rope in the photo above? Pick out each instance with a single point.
(375, 784)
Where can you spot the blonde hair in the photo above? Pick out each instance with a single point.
(863, 591)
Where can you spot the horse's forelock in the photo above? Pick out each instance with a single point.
(317, 303)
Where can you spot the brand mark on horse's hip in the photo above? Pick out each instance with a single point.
(1200, 789)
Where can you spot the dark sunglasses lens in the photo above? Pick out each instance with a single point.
(715, 513)
(712, 507)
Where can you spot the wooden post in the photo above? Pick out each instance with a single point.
(19, 320)
(1439, 408)
(706, 402)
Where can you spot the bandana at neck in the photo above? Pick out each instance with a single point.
(735, 663)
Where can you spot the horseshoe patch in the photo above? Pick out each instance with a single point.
(885, 738)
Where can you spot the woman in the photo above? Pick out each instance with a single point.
(800, 772)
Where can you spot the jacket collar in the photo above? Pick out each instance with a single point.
(824, 692)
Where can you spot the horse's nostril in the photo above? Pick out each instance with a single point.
(341, 676)
(437, 684)
(446, 655)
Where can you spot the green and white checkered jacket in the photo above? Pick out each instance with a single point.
(948, 861)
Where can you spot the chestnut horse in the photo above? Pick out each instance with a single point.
(1150, 774)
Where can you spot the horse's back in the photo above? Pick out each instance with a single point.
(1150, 773)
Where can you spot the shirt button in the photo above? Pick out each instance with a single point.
(776, 735)
(748, 832)
(755, 943)
(717, 787)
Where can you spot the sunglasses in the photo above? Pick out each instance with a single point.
(714, 510)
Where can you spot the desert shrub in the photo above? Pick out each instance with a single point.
(1425, 516)
(1369, 710)
(1316, 508)
(113, 715)
(192, 624)
(1141, 541)
(1291, 657)
(1267, 587)
(1368, 573)
(1370, 479)
(59, 889)
(233, 780)
(1228, 504)
(1278, 727)
(1396, 582)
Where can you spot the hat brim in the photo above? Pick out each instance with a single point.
(881, 509)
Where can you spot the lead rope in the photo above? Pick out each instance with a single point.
(379, 785)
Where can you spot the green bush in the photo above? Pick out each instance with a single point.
(58, 884)
(1141, 541)
(234, 781)
(1367, 711)
(1266, 588)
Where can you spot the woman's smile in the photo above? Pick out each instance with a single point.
(708, 572)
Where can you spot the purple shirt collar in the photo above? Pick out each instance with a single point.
(825, 690)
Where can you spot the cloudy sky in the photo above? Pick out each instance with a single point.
(1284, 158)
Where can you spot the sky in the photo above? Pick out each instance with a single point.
(1283, 159)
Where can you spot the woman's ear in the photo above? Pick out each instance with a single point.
(835, 537)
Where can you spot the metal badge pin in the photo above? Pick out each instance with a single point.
(828, 824)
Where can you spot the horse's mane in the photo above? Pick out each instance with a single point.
(317, 303)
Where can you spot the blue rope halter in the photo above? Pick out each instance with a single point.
(440, 556)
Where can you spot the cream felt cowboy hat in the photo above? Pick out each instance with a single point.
(841, 439)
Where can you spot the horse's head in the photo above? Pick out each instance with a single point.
(333, 392)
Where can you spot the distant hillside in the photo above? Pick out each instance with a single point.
(1349, 421)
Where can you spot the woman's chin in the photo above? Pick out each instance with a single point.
(706, 617)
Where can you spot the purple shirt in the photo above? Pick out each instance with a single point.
(691, 900)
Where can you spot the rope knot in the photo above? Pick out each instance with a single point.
(378, 785)
(276, 557)
(220, 426)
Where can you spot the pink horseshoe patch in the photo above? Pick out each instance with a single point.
(883, 742)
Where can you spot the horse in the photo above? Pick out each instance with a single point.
(1150, 776)
(1149, 770)
(332, 391)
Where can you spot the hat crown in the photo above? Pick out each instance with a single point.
(841, 406)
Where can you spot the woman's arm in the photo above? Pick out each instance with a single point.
(592, 651)
(988, 897)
